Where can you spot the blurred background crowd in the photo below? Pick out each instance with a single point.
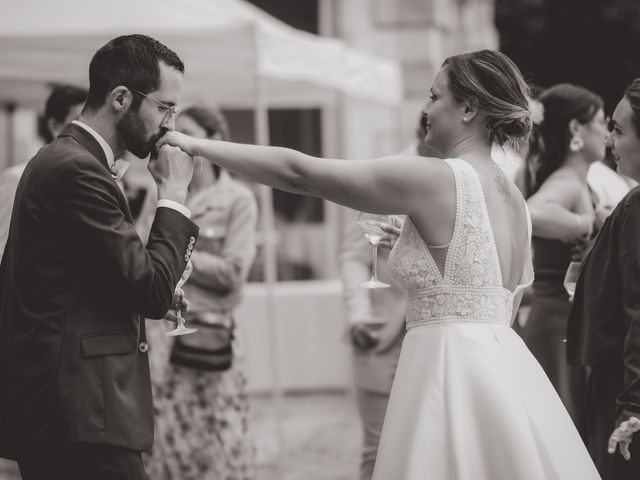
(313, 356)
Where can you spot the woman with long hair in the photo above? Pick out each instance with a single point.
(201, 398)
(569, 137)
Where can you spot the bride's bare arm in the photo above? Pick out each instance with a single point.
(390, 185)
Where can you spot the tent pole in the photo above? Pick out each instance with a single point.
(261, 123)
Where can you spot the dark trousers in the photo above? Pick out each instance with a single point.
(605, 383)
(80, 461)
(544, 334)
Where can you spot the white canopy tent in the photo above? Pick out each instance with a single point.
(226, 45)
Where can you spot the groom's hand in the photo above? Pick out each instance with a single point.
(172, 172)
(623, 435)
(178, 301)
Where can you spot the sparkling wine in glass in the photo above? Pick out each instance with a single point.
(371, 226)
(571, 278)
(181, 329)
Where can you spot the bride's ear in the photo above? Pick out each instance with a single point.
(469, 111)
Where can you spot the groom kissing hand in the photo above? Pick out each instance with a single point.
(76, 281)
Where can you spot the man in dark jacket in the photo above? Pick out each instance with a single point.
(76, 281)
(604, 326)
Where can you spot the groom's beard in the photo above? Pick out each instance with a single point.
(136, 139)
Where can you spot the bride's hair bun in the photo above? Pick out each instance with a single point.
(509, 128)
(491, 81)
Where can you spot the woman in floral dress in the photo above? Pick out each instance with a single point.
(202, 416)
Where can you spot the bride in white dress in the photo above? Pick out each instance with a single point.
(469, 401)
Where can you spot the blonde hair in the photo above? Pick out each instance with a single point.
(491, 82)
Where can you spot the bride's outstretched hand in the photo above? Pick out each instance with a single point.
(186, 143)
(623, 436)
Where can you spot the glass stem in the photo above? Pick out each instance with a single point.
(374, 262)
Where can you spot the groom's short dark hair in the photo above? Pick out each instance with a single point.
(131, 61)
(632, 93)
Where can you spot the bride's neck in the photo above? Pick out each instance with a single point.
(470, 148)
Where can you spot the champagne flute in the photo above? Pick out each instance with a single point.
(371, 226)
(181, 329)
(571, 278)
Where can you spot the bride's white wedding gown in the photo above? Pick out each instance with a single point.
(469, 401)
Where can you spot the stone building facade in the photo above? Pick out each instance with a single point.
(419, 34)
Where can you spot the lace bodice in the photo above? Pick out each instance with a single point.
(471, 288)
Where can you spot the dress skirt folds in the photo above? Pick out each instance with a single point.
(470, 402)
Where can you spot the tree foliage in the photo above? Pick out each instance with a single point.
(594, 43)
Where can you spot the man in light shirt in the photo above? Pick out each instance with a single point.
(76, 281)
(375, 322)
(63, 105)
(376, 328)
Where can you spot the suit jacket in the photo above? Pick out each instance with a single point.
(604, 325)
(74, 280)
(374, 369)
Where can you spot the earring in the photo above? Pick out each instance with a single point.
(576, 143)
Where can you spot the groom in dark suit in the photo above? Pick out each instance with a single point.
(76, 281)
(604, 326)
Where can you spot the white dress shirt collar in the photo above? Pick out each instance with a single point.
(108, 153)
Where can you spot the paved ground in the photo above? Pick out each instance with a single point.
(318, 439)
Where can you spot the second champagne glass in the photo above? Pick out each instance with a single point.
(371, 226)
(571, 278)
(181, 329)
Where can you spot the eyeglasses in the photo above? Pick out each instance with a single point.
(169, 111)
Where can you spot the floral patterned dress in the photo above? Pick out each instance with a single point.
(202, 427)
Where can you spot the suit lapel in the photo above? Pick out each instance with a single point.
(124, 204)
(86, 140)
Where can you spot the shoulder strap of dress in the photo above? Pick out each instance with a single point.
(454, 163)
(461, 180)
(527, 272)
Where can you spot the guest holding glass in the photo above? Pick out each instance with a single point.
(376, 320)
(604, 325)
(202, 405)
(568, 139)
